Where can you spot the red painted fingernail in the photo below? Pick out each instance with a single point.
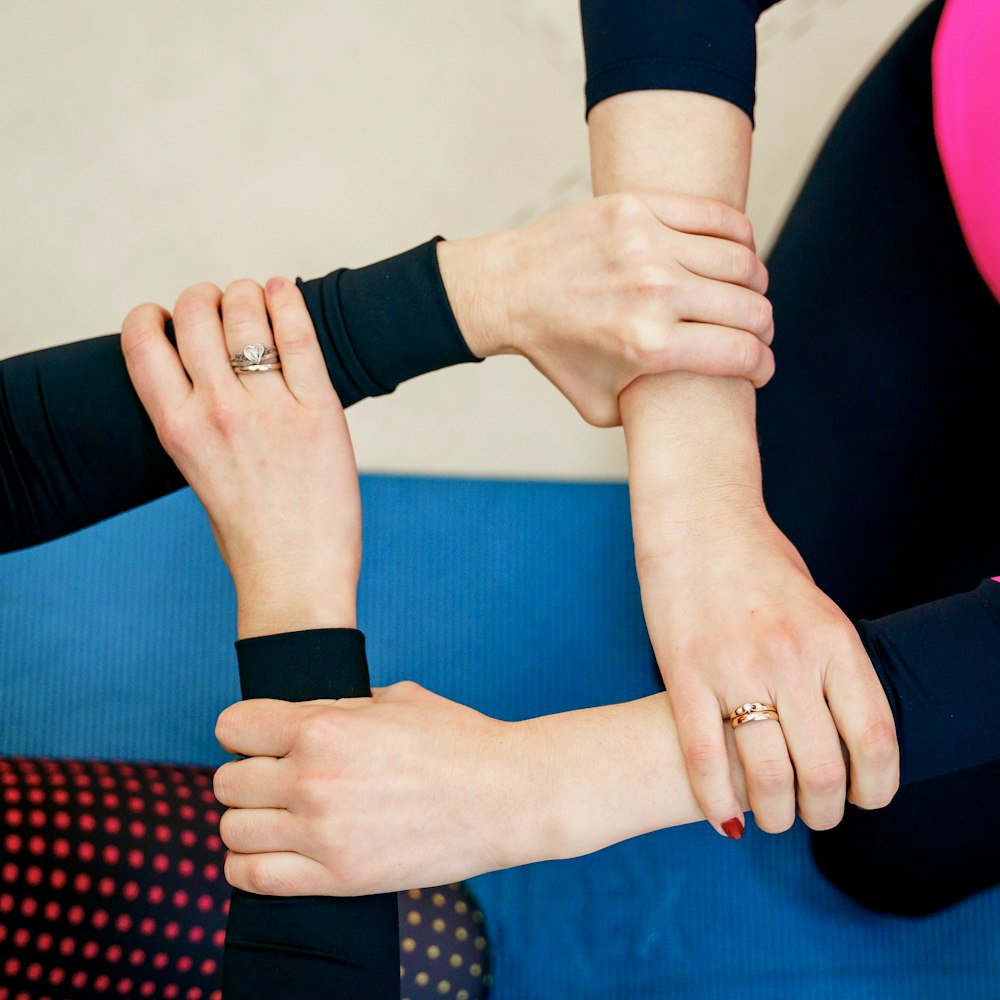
(733, 828)
(274, 285)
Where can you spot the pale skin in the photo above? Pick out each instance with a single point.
(334, 795)
(732, 610)
(677, 269)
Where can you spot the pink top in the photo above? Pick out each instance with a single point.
(966, 87)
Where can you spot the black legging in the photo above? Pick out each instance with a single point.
(888, 353)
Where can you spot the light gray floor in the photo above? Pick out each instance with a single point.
(147, 146)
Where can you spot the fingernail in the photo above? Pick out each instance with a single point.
(733, 828)
(274, 286)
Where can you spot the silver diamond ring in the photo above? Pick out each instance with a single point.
(252, 356)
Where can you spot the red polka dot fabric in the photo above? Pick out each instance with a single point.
(111, 885)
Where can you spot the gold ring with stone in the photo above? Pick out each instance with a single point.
(753, 711)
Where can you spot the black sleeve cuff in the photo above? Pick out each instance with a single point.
(304, 666)
(709, 48)
(383, 324)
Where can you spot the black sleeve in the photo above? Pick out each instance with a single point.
(709, 46)
(312, 946)
(76, 445)
(939, 664)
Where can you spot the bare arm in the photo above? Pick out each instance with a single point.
(731, 608)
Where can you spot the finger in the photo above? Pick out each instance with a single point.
(861, 712)
(153, 365)
(702, 216)
(253, 783)
(246, 323)
(814, 747)
(712, 350)
(259, 831)
(721, 260)
(278, 874)
(770, 778)
(703, 745)
(260, 727)
(301, 358)
(702, 300)
(200, 342)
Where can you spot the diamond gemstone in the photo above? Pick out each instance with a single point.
(253, 353)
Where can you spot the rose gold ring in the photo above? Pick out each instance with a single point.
(753, 711)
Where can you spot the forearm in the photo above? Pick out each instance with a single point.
(603, 775)
(694, 144)
(76, 446)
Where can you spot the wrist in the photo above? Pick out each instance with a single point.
(474, 272)
(283, 602)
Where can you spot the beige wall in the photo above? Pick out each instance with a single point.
(148, 145)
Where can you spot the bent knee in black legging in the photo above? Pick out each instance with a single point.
(932, 846)
(936, 842)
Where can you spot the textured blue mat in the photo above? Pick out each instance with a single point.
(519, 599)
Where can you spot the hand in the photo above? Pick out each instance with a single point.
(409, 789)
(268, 453)
(370, 795)
(734, 616)
(601, 293)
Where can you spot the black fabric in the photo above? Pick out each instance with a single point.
(936, 662)
(878, 441)
(385, 323)
(878, 430)
(76, 445)
(312, 945)
(329, 663)
(708, 47)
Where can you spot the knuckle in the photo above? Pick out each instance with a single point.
(241, 315)
(779, 823)
(242, 287)
(766, 368)
(220, 784)
(824, 778)
(230, 871)
(743, 228)
(624, 208)
(227, 828)
(716, 215)
(225, 725)
(760, 314)
(297, 339)
(196, 301)
(173, 434)
(701, 756)
(784, 644)
(262, 877)
(644, 344)
(877, 745)
(409, 689)
(771, 776)
(225, 419)
(743, 263)
(141, 323)
(750, 353)
(827, 821)
(319, 731)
